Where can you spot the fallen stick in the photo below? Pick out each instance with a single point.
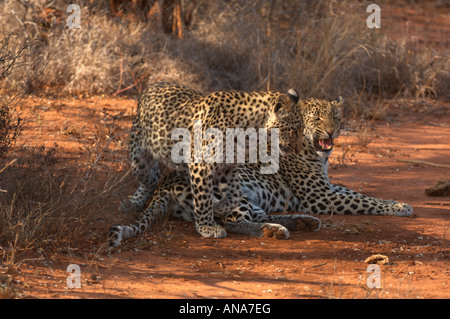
(424, 163)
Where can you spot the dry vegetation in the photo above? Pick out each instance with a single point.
(322, 48)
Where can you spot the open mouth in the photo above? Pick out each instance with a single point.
(324, 145)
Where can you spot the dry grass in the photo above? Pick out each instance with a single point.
(321, 49)
(40, 204)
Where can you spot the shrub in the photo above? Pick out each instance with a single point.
(10, 57)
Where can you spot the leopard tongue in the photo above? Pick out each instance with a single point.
(326, 143)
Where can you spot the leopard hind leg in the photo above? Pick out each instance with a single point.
(147, 172)
(158, 211)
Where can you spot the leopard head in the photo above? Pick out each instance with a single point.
(322, 122)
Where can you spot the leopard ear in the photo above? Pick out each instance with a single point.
(293, 95)
(338, 102)
(282, 106)
(284, 103)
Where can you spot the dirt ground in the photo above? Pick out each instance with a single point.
(175, 262)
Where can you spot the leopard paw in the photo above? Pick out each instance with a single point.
(402, 209)
(307, 223)
(274, 230)
(115, 236)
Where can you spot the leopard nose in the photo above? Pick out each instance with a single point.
(330, 133)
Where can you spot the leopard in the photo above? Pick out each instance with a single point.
(303, 184)
(304, 174)
(164, 108)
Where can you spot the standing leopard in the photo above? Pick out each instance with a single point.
(271, 193)
(164, 107)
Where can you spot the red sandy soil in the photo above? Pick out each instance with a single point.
(175, 262)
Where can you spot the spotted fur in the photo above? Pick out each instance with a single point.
(301, 184)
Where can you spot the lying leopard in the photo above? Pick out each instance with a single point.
(306, 170)
(164, 108)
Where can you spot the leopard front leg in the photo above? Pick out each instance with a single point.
(201, 178)
(343, 190)
(318, 196)
(243, 220)
(298, 222)
(295, 222)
